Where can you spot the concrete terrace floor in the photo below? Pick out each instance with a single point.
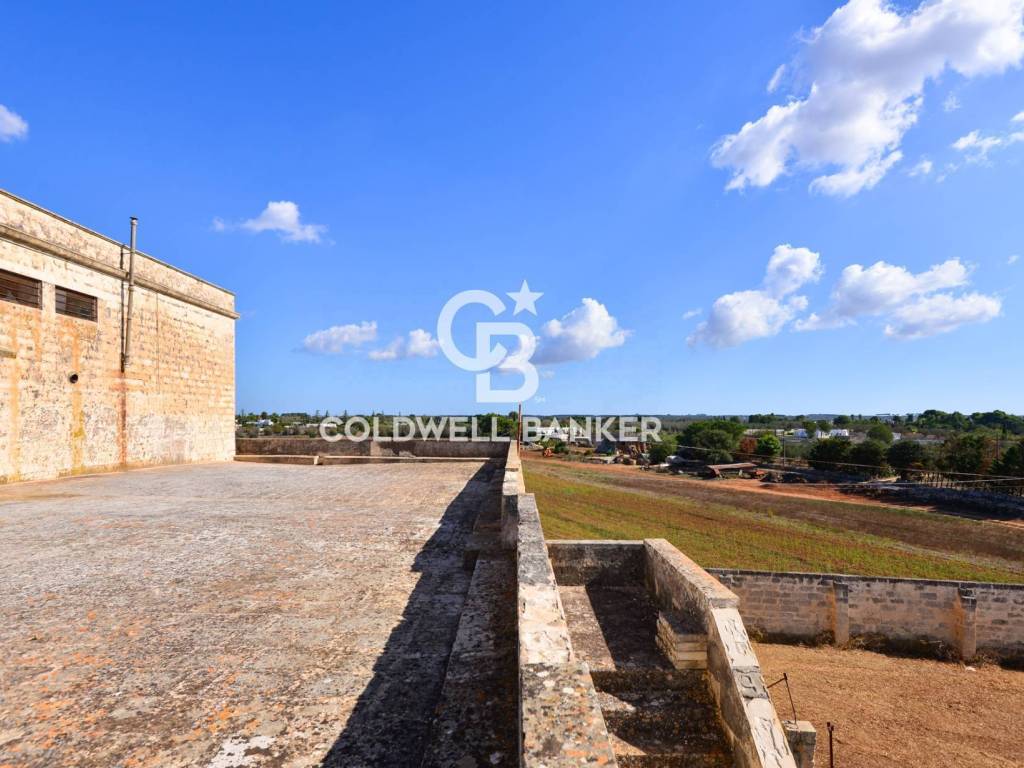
(231, 614)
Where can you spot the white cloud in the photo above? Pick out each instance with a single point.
(923, 168)
(1018, 118)
(580, 335)
(419, 343)
(940, 313)
(951, 104)
(691, 313)
(12, 125)
(334, 340)
(976, 147)
(1013, 259)
(776, 80)
(866, 67)
(281, 217)
(746, 315)
(911, 303)
(790, 268)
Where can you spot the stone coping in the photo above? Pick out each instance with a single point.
(560, 720)
(847, 577)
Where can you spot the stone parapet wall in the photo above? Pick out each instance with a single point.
(316, 446)
(65, 405)
(966, 616)
(597, 563)
(560, 720)
(748, 716)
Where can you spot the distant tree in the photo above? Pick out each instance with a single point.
(880, 432)
(1011, 463)
(870, 455)
(748, 446)
(907, 454)
(827, 453)
(968, 453)
(823, 425)
(768, 445)
(841, 421)
(701, 438)
(717, 439)
(809, 426)
(717, 456)
(658, 452)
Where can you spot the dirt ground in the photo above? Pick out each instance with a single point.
(893, 712)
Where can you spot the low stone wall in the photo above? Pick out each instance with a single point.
(315, 446)
(966, 616)
(598, 563)
(747, 714)
(560, 721)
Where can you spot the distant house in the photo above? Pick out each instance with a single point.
(800, 434)
(821, 434)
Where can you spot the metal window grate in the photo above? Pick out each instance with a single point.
(20, 290)
(75, 304)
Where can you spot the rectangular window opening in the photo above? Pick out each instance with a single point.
(75, 304)
(20, 289)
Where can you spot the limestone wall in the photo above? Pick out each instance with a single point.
(176, 401)
(968, 616)
(560, 721)
(748, 716)
(316, 446)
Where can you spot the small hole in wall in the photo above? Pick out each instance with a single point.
(73, 378)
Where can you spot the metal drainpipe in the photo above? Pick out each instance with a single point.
(126, 353)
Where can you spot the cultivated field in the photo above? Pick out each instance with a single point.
(746, 525)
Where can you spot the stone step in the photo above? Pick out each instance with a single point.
(690, 760)
(618, 680)
(661, 721)
(682, 641)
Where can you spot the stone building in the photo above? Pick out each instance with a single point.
(79, 391)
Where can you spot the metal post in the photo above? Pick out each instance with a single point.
(831, 757)
(127, 351)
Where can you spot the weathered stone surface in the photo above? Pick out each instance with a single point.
(561, 718)
(170, 616)
(605, 563)
(175, 403)
(802, 739)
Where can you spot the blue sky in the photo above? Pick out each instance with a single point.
(431, 149)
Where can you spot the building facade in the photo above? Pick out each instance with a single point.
(70, 400)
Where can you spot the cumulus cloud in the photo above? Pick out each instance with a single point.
(338, 338)
(1018, 118)
(951, 104)
(12, 125)
(419, 343)
(692, 313)
(912, 304)
(746, 315)
(1013, 259)
(282, 217)
(579, 335)
(865, 70)
(941, 313)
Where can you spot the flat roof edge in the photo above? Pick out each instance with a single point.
(112, 241)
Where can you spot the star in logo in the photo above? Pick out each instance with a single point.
(525, 299)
